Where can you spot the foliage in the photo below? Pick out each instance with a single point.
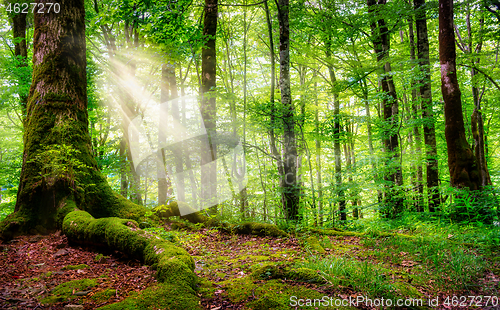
(473, 207)
(59, 161)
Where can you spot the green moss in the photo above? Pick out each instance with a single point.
(104, 295)
(304, 275)
(162, 296)
(336, 232)
(206, 288)
(99, 258)
(182, 225)
(172, 209)
(64, 291)
(238, 289)
(14, 224)
(57, 97)
(407, 290)
(258, 258)
(313, 244)
(266, 272)
(271, 294)
(65, 208)
(75, 267)
(258, 229)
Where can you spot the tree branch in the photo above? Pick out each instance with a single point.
(483, 73)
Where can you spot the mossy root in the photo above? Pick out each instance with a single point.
(173, 264)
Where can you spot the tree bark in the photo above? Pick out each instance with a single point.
(208, 106)
(426, 98)
(179, 147)
(417, 171)
(291, 191)
(461, 161)
(243, 195)
(477, 124)
(318, 156)
(272, 112)
(123, 167)
(163, 185)
(336, 145)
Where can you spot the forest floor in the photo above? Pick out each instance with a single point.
(45, 272)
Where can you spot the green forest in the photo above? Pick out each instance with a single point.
(286, 154)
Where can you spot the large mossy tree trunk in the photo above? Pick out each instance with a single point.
(59, 174)
(58, 165)
(461, 161)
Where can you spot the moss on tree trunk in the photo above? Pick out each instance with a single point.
(58, 165)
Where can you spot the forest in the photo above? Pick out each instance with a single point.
(286, 154)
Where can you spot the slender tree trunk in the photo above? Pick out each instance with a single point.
(370, 142)
(461, 161)
(426, 99)
(123, 168)
(179, 148)
(243, 194)
(394, 176)
(160, 162)
(129, 110)
(272, 117)
(318, 155)
(477, 124)
(417, 170)
(261, 174)
(273, 113)
(208, 107)
(336, 146)
(290, 188)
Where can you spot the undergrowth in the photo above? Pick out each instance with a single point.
(369, 278)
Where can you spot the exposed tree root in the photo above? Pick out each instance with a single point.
(173, 264)
(249, 228)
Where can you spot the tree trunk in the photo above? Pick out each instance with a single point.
(417, 172)
(336, 146)
(160, 160)
(179, 147)
(58, 170)
(272, 117)
(208, 107)
(123, 167)
(318, 156)
(461, 161)
(394, 176)
(291, 192)
(427, 113)
(243, 193)
(477, 124)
